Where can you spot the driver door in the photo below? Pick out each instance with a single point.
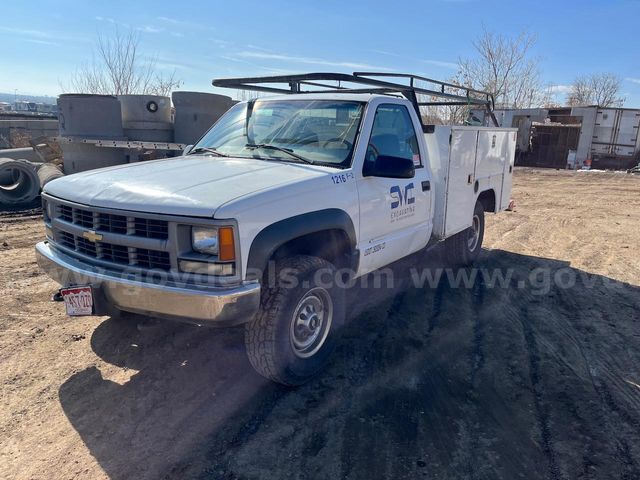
(394, 212)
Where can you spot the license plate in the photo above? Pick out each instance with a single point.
(78, 300)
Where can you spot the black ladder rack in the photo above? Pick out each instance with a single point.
(367, 82)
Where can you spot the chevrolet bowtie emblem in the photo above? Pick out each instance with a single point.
(92, 236)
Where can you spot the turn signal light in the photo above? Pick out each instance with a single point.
(226, 245)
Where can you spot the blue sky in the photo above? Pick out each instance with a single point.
(43, 42)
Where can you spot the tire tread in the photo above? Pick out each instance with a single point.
(260, 341)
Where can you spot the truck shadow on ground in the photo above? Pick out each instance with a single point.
(532, 379)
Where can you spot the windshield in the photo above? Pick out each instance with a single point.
(312, 131)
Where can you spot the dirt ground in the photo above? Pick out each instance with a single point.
(537, 377)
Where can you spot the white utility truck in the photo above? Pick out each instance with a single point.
(283, 198)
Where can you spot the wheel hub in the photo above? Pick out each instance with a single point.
(311, 322)
(474, 234)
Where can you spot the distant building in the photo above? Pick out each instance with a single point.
(571, 137)
(34, 107)
(24, 106)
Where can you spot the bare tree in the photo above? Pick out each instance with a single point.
(504, 67)
(580, 93)
(244, 95)
(118, 68)
(602, 89)
(444, 114)
(548, 97)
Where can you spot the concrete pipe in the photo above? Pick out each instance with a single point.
(89, 116)
(96, 117)
(8, 177)
(146, 117)
(23, 186)
(196, 112)
(48, 172)
(26, 153)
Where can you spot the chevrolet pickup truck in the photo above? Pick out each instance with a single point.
(283, 199)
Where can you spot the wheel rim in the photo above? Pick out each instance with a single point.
(474, 233)
(311, 322)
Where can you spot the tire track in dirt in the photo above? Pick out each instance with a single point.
(21, 213)
(541, 411)
(478, 298)
(357, 443)
(469, 451)
(469, 455)
(630, 467)
(239, 430)
(617, 421)
(438, 301)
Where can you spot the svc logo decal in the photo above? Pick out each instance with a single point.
(402, 202)
(398, 199)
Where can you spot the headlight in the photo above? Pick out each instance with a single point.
(218, 241)
(205, 240)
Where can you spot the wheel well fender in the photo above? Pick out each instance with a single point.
(327, 233)
(488, 200)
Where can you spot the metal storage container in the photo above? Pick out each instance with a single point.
(616, 133)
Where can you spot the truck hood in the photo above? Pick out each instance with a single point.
(190, 186)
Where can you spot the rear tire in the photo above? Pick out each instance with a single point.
(291, 338)
(462, 249)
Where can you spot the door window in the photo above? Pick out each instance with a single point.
(393, 135)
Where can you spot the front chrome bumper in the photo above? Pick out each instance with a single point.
(221, 306)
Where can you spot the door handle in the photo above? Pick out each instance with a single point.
(426, 185)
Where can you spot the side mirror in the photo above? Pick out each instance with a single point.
(389, 167)
(187, 149)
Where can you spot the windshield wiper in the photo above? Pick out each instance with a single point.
(207, 150)
(288, 151)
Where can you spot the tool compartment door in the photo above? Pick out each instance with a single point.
(461, 199)
(507, 177)
(491, 158)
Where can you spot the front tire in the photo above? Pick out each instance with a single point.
(291, 338)
(462, 249)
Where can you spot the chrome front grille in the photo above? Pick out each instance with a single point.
(149, 228)
(152, 259)
(65, 213)
(115, 253)
(112, 223)
(128, 240)
(66, 239)
(83, 218)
